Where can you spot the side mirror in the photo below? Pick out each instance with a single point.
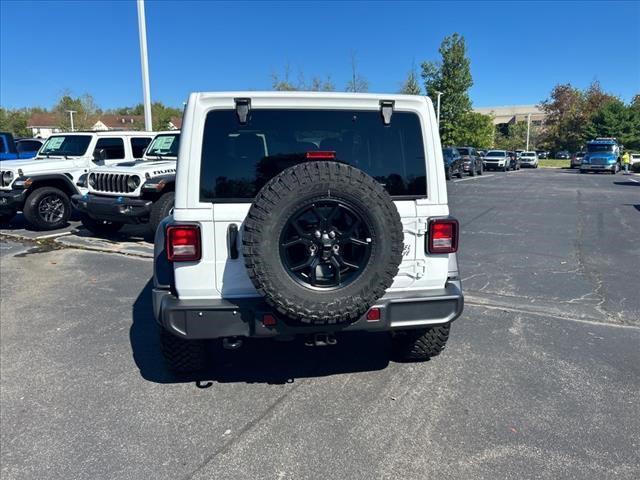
(99, 155)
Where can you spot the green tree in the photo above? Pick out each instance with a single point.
(615, 119)
(451, 76)
(84, 106)
(566, 119)
(15, 121)
(514, 138)
(411, 86)
(477, 130)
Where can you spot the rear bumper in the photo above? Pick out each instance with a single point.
(12, 201)
(114, 209)
(206, 319)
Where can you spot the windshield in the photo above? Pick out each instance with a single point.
(164, 146)
(494, 153)
(599, 147)
(237, 160)
(66, 145)
(528, 154)
(464, 151)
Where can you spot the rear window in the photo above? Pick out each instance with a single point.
(237, 160)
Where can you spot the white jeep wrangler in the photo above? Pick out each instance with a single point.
(41, 187)
(136, 192)
(311, 214)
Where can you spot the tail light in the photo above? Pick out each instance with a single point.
(318, 155)
(183, 243)
(443, 235)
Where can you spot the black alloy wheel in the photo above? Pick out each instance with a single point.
(325, 245)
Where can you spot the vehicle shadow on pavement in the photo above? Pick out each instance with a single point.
(627, 183)
(257, 361)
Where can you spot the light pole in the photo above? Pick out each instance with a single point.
(71, 112)
(144, 60)
(438, 109)
(528, 129)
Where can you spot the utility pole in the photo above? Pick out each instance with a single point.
(528, 129)
(71, 112)
(144, 60)
(438, 110)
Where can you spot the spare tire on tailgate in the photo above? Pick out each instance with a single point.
(322, 242)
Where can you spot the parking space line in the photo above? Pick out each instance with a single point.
(636, 181)
(473, 178)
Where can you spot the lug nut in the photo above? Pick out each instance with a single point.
(332, 234)
(317, 234)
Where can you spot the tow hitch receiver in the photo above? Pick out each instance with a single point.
(320, 340)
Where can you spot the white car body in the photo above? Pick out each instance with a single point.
(491, 161)
(635, 158)
(73, 167)
(147, 167)
(529, 159)
(215, 276)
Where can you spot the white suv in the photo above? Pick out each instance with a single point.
(135, 192)
(41, 187)
(310, 214)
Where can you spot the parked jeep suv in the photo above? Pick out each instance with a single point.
(41, 187)
(307, 214)
(135, 192)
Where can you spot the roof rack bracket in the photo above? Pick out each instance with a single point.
(386, 109)
(243, 108)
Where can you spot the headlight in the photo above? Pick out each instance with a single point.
(92, 180)
(133, 182)
(7, 177)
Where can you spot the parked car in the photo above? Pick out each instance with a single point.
(452, 162)
(529, 159)
(542, 154)
(471, 160)
(635, 158)
(139, 192)
(576, 159)
(514, 164)
(497, 160)
(563, 155)
(299, 238)
(603, 155)
(9, 150)
(41, 187)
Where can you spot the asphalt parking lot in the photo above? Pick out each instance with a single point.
(540, 379)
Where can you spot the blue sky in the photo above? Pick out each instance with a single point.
(518, 50)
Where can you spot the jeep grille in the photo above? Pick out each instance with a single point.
(110, 182)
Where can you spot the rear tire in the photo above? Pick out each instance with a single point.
(459, 174)
(161, 209)
(505, 168)
(472, 170)
(47, 208)
(481, 169)
(420, 344)
(100, 227)
(180, 355)
(447, 173)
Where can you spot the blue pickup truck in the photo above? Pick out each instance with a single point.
(11, 149)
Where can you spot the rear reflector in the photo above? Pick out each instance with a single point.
(183, 243)
(373, 315)
(443, 236)
(269, 320)
(321, 155)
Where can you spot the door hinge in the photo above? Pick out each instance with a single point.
(417, 227)
(413, 268)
